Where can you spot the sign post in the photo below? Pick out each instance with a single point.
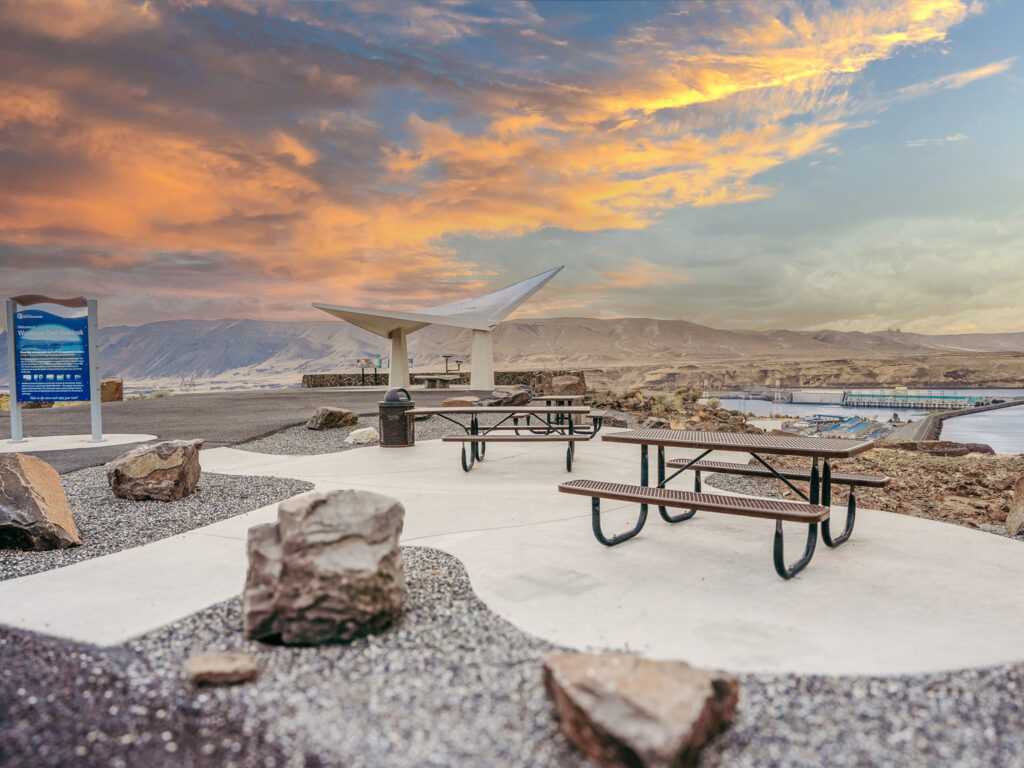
(12, 377)
(53, 355)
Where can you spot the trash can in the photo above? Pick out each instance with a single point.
(397, 429)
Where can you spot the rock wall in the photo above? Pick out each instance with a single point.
(538, 381)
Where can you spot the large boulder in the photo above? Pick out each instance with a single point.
(461, 401)
(568, 385)
(329, 569)
(625, 711)
(332, 418)
(111, 390)
(34, 510)
(165, 472)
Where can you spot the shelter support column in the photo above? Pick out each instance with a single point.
(482, 358)
(398, 376)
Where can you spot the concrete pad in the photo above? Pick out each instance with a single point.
(905, 595)
(69, 442)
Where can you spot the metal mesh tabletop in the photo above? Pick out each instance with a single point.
(523, 409)
(788, 445)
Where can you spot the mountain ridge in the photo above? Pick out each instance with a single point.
(279, 352)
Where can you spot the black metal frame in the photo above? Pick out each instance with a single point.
(477, 451)
(778, 550)
(799, 565)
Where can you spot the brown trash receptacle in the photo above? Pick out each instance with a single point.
(397, 428)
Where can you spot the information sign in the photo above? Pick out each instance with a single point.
(51, 344)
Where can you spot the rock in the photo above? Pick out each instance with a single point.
(221, 668)
(567, 385)
(111, 390)
(614, 420)
(622, 710)
(940, 447)
(34, 510)
(516, 396)
(461, 401)
(655, 422)
(165, 472)
(1015, 518)
(365, 436)
(332, 418)
(329, 569)
(38, 404)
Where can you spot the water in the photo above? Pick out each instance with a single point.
(1003, 429)
(768, 408)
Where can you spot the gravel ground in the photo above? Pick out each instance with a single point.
(451, 685)
(299, 441)
(108, 524)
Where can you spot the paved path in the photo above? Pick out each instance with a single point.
(219, 418)
(905, 595)
(41, 445)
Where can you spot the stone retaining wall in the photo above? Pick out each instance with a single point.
(538, 381)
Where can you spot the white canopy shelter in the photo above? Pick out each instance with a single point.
(482, 314)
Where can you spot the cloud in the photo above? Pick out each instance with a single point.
(937, 142)
(336, 151)
(953, 81)
(78, 19)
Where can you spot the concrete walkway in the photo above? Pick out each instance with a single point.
(905, 595)
(69, 443)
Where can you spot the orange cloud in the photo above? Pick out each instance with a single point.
(673, 122)
(75, 19)
(642, 274)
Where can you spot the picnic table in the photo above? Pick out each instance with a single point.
(812, 511)
(436, 380)
(560, 400)
(554, 424)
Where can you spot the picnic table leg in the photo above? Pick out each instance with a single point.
(815, 482)
(799, 565)
(663, 511)
(851, 510)
(611, 541)
(570, 452)
(479, 449)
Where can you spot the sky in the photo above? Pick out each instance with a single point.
(804, 165)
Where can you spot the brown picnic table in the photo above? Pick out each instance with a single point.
(813, 511)
(554, 424)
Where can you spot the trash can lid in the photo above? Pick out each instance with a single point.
(392, 395)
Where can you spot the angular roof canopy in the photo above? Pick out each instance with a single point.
(482, 313)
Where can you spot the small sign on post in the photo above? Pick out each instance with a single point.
(53, 356)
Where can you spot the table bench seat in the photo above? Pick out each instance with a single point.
(753, 470)
(788, 511)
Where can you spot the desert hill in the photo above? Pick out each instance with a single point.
(624, 351)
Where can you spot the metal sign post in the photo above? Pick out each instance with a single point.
(53, 347)
(95, 409)
(12, 373)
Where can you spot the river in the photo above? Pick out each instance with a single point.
(1003, 429)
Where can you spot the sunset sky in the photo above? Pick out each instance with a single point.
(746, 165)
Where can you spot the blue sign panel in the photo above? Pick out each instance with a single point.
(51, 349)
